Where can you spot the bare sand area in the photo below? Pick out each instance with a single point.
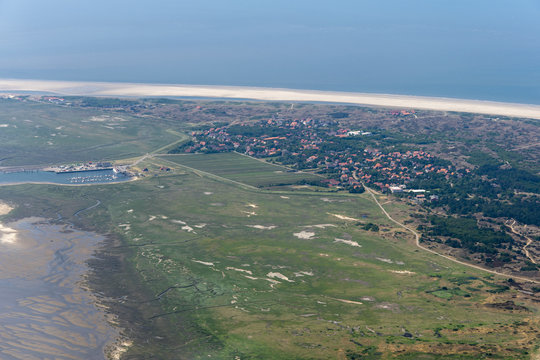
(270, 94)
(4, 208)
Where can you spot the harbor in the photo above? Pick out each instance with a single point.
(73, 168)
(84, 177)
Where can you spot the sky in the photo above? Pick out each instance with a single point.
(482, 49)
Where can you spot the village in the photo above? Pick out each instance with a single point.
(347, 157)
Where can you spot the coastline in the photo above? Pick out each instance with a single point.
(85, 88)
(53, 291)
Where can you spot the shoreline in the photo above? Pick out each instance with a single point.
(54, 291)
(87, 88)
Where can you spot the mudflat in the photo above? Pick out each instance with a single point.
(45, 310)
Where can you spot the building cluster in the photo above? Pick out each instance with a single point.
(325, 148)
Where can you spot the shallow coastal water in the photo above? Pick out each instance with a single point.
(45, 310)
(75, 178)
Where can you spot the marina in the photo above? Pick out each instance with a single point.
(97, 176)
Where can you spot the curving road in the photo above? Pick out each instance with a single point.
(529, 242)
(417, 239)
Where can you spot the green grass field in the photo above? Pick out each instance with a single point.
(35, 134)
(241, 168)
(210, 268)
(199, 266)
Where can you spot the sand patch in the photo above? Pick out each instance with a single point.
(4, 208)
(284, 197)
(188, 229)
(273, 282)
(208, 193)
(251, 277)
(388, 261)
(303, 273)
(304, 234)
(343, 217)
(348, 242)
(120, 348)
(200, 226)
(406, 272)
(239, 270)
(254, 206)
(250, 213)
(388, 306)
(7, 235)
(130, 211)
(207, 263)
(262, 227)
(347, 301)
(179, 222)
(4, 125)
(276, 275)
(126, 227)
(99, 118)
(151, 218)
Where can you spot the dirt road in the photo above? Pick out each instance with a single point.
(417, 240)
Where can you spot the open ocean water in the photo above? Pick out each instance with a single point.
(484, 49)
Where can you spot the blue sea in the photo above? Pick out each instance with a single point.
(482, 49)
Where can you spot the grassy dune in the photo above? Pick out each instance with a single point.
(197, 264)
(209, 268)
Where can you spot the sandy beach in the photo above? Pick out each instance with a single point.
(269, 94)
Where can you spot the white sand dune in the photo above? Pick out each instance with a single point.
(407, 272)
(262, 227)
(348, 242)
(239, 270)
(278, 276)
(207, 263)
(343, 217)
(271, 94)
(304, 234)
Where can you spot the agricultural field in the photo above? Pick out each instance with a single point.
(241, 168)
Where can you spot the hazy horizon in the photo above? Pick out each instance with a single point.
(482, 50)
